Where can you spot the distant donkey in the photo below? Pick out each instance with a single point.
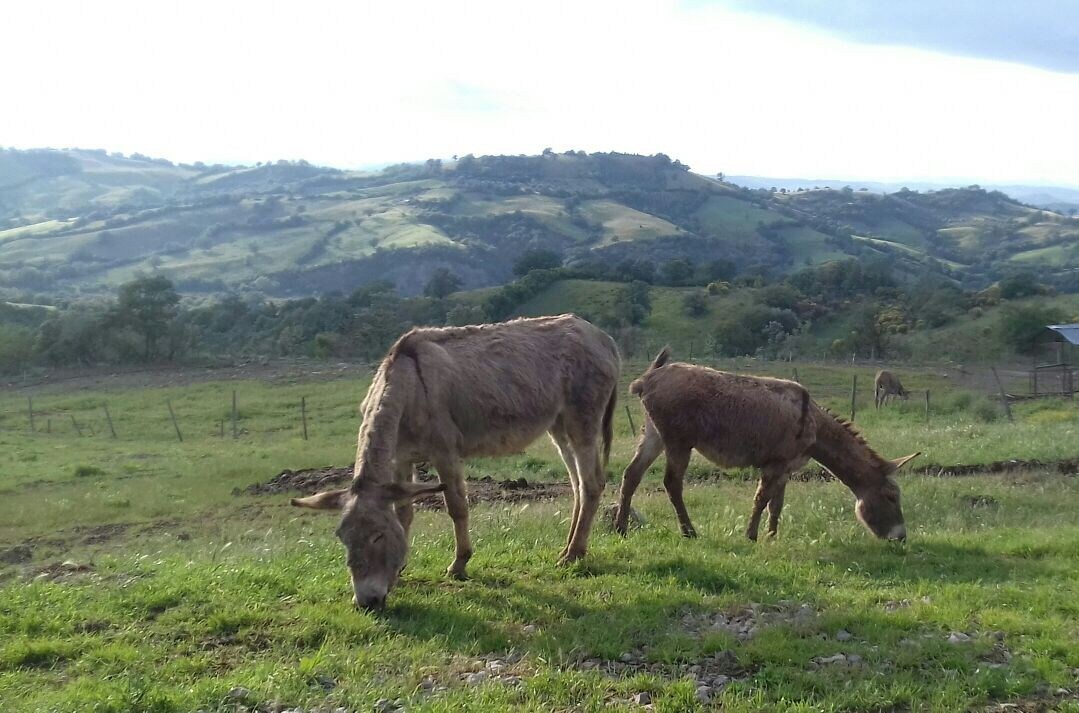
(887, 386)
(771, 424)
(446, 394)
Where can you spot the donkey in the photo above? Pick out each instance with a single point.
(886, 386)
(445, 394)
(771, 424)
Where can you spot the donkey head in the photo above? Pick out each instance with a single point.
(375, 543)
(878, 505)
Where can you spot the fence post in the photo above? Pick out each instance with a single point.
(853, 396)
(796, 375)
(172, 414)
(30, 409)
(108, 418)
(221, 426)
(235, 434)
(927, 405)
(1003, 396)
(303, 415)
(48, 425)
(76, 424)
(629, 415)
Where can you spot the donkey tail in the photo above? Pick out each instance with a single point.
(661, 359)
(608, 426)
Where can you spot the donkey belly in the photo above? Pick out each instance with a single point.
(504, 439)
(751, 452)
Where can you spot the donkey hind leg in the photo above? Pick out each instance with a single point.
(404, 474)
(775, 506)
(673, 478)
(561, 442)
(772, 478)
(449, 473)
(592, 481)
(648, 449)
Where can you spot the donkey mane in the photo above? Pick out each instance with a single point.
(855, 433)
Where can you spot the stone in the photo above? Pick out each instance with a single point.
(529, 629)
(704, 694)
(958, 637)
(474, 679)
(238, 693)
(843, 635)
(643, 698)
(720, 681)
(854, 659)
(838, 658)
(385, 705)
(626, 658)
(496, 666)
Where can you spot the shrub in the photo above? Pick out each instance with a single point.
(88, 471)
(986, 411)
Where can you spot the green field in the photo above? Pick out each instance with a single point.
(176, 590)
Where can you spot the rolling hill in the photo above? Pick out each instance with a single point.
(77, 222)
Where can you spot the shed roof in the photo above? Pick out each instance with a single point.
(1070, 332)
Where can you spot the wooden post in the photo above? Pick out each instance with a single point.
(796, 375)
(853, 396)
(629, 415)
(1034, 380)
(235, 433)
(75, 424)
(108, 418)
(221, 423)
(1003, 396)
(48, 425)
(927, 405)
(91, 427)
(303, 415)
(30, 410)
(172, 415)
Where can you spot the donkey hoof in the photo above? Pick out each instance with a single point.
(689, 533)
(752, 536)
(457, 572)
(569, 558)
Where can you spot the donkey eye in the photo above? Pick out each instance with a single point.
(375, 538)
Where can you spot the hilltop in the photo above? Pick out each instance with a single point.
(77, 222)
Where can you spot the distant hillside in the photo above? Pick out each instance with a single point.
(81, 222)
(1056, 198)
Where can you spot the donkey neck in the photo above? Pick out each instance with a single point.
(839, 449)
(376, 448)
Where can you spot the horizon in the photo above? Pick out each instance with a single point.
(963, 94)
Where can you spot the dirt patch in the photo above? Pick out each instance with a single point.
(980, 501)
(61, 571)
(480, 490)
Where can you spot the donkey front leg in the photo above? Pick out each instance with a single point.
(404, 474)
(449, 474)
(648, 449)
(562, 442)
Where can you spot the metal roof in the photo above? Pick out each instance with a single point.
(1070, 332)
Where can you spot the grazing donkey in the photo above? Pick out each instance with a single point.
(445, 394)
(772, 424)
(886, 386)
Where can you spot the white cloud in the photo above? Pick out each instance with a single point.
(351, 84)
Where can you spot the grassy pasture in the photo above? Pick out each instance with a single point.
(192, 590)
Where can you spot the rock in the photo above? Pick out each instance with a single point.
(626, 658)
(529, 628)
(16, 555)
(643, 698)
(843, 635)
(720, 681)
(496, 666)
(704, 694)
(385, 705)
(238, 693)
(183, 537)
(511, 680)
(427, 684)
(854, 659)
(999, 635)
(838, 658)
(474, 679)
(958, 637)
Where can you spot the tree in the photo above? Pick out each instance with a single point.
(147, 305)
(443, 283)
(536, 259)
(695, 304)
(1021, 284)
(676, 272)
(1020, 325)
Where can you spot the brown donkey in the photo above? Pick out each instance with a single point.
(442, 395)
(886, 386)
(771, 424)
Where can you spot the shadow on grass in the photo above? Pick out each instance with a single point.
(929, 561)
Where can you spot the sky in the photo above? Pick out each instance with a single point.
(963, 91)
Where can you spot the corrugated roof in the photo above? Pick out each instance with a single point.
(1069, 331)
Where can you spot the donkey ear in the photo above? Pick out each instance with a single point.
(328, 500)
(407, 492)
(900, 462)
